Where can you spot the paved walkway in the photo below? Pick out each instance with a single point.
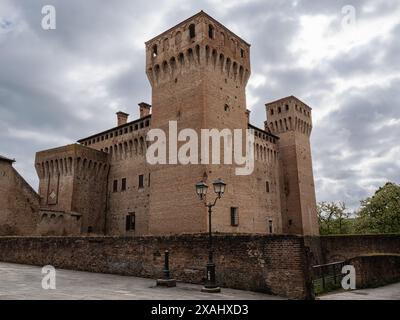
(24, 282)
(389, 292)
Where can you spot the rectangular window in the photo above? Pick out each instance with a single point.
(270, 226)
(141, 181)
(130, 221)
(123, 186)
(115, 186)
(149, 181)
(234, 217)
(267, 186)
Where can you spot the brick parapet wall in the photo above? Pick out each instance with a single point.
(327, 249)
(376, 270)
(272, 264)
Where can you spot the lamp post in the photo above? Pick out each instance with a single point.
(201, 190)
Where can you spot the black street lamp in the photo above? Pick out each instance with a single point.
(201, 190)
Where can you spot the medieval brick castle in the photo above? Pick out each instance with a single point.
(198, 71)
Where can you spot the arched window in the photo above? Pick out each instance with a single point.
(221, 61)
(211, 31)
(192, 31)
(214, 57)
(165, 66)
(181, 59)
(154, 51)
(172, 63)
(190, 54)
(228, 66)
(235, 70)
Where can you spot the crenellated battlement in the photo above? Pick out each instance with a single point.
(199, 41)
(289, 114)
(73, 178)
(290, 119)
(71, 160)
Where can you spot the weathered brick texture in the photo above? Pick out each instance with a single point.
(376, 270)
(326, 249)
(19, 203)
(272, 264)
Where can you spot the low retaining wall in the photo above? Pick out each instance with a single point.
(327, 249)
(275, 264)
(376, 270)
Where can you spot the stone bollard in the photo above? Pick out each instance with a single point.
(166, 281)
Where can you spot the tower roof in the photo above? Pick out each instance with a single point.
(287, 98)
(201, 13)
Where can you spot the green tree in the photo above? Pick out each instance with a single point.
(333, 218)
(381, 212)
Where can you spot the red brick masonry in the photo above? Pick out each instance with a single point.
(274, 264)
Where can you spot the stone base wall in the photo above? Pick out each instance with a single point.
(273, 264)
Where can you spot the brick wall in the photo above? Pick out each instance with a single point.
(376, 270)
(19, 203)
(73, 179)
(328, 249)
(273, 264)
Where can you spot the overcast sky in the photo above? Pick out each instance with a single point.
(60, 85)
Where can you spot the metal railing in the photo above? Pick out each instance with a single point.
(327, 277)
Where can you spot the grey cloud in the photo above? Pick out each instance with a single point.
(35, 96)
(356, 127)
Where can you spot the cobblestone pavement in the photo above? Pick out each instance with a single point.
(24, 282)
(389, 292)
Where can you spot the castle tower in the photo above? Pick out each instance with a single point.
(198, 71)
(72, 189)
(290, 119)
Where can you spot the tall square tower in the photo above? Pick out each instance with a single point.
(198, 71)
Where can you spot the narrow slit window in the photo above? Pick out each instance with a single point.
(141, 181)
(270, 226)
(234, 217)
